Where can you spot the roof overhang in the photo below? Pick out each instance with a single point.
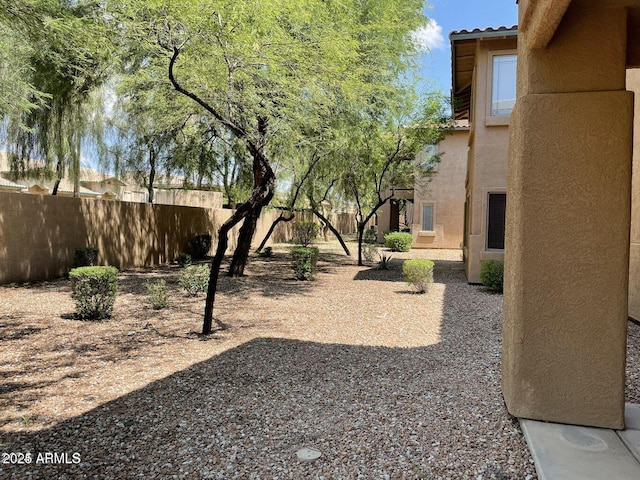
(463, 60)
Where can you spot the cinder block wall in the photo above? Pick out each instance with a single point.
(39, 233)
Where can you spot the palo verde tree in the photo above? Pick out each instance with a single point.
(66, 49)
(252, 66)
(383, 152)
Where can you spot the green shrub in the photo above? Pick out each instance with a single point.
(369, 252)
(94, 290)
(184, 259)
(200, 246)
(194, 279)
(384, 262)
(158, 295)
(85, 257)
(398, 241)
(370, 236)
(305, 233)
(305, 261)
(492, 274)
(419, 273)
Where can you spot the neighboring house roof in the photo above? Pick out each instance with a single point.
(66, 186)
(463, 60)
(6, 184)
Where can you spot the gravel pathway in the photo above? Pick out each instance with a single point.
(387, 384)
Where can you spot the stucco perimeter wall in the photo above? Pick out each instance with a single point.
(39, 233)
(446, 192)
(488, 158)
(633, 84)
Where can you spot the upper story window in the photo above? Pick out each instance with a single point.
(503, 84)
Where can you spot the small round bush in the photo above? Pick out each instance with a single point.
(419, 273)
(85, 257)
(398, 241)
(200, 245)
(94, 290)
(305, 260)
(305, 233)
(369, 252)
(184, 259)
(492, 274)
(370, 236)
(194, 279)
(158, 295)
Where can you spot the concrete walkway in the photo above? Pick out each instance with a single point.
(569, 452)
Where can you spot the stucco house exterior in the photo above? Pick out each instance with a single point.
(572, 252)
(95, 184)
(483, 77)
(433, 210)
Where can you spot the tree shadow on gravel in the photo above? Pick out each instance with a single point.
(434, 410)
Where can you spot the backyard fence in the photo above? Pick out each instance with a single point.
(39, 233)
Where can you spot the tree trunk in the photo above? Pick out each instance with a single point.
(152, 176)
(55, 187)
(361, 226)
(241, 254)
(214, 274)
(333, 229)
(58, 178)
(275, 223)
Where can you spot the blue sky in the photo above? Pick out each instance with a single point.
(448, 15)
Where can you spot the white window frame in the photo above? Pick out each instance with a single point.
(433, 218)
(492, 119)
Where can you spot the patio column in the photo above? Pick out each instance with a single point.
(568, 218)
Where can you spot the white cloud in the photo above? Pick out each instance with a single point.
(429, 37)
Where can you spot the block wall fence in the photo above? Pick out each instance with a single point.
(39, 233)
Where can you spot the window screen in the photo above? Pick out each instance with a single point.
(427, 218)
(503, 89)
(496, 221)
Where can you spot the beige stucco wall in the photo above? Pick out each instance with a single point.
(445, 190)
(38, 233)
(633, 84)
(568, 218)
(190, 198)
(487, 163)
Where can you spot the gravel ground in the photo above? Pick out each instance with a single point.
(384, 382)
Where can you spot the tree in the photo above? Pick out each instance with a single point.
(251, 69)
(383, 152)
(66, 48)
(259, 67)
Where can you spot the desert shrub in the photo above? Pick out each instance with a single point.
(305, 233)
(369, 252)
(383, 263)
(200, 246)
(267, 252)
(492, 274)
(184, 259)
(419, 273)
(194, 279)
(305, 260)
(85, 257)
(370, 236)
(94, 290)
(398, 241)
(158, 295)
